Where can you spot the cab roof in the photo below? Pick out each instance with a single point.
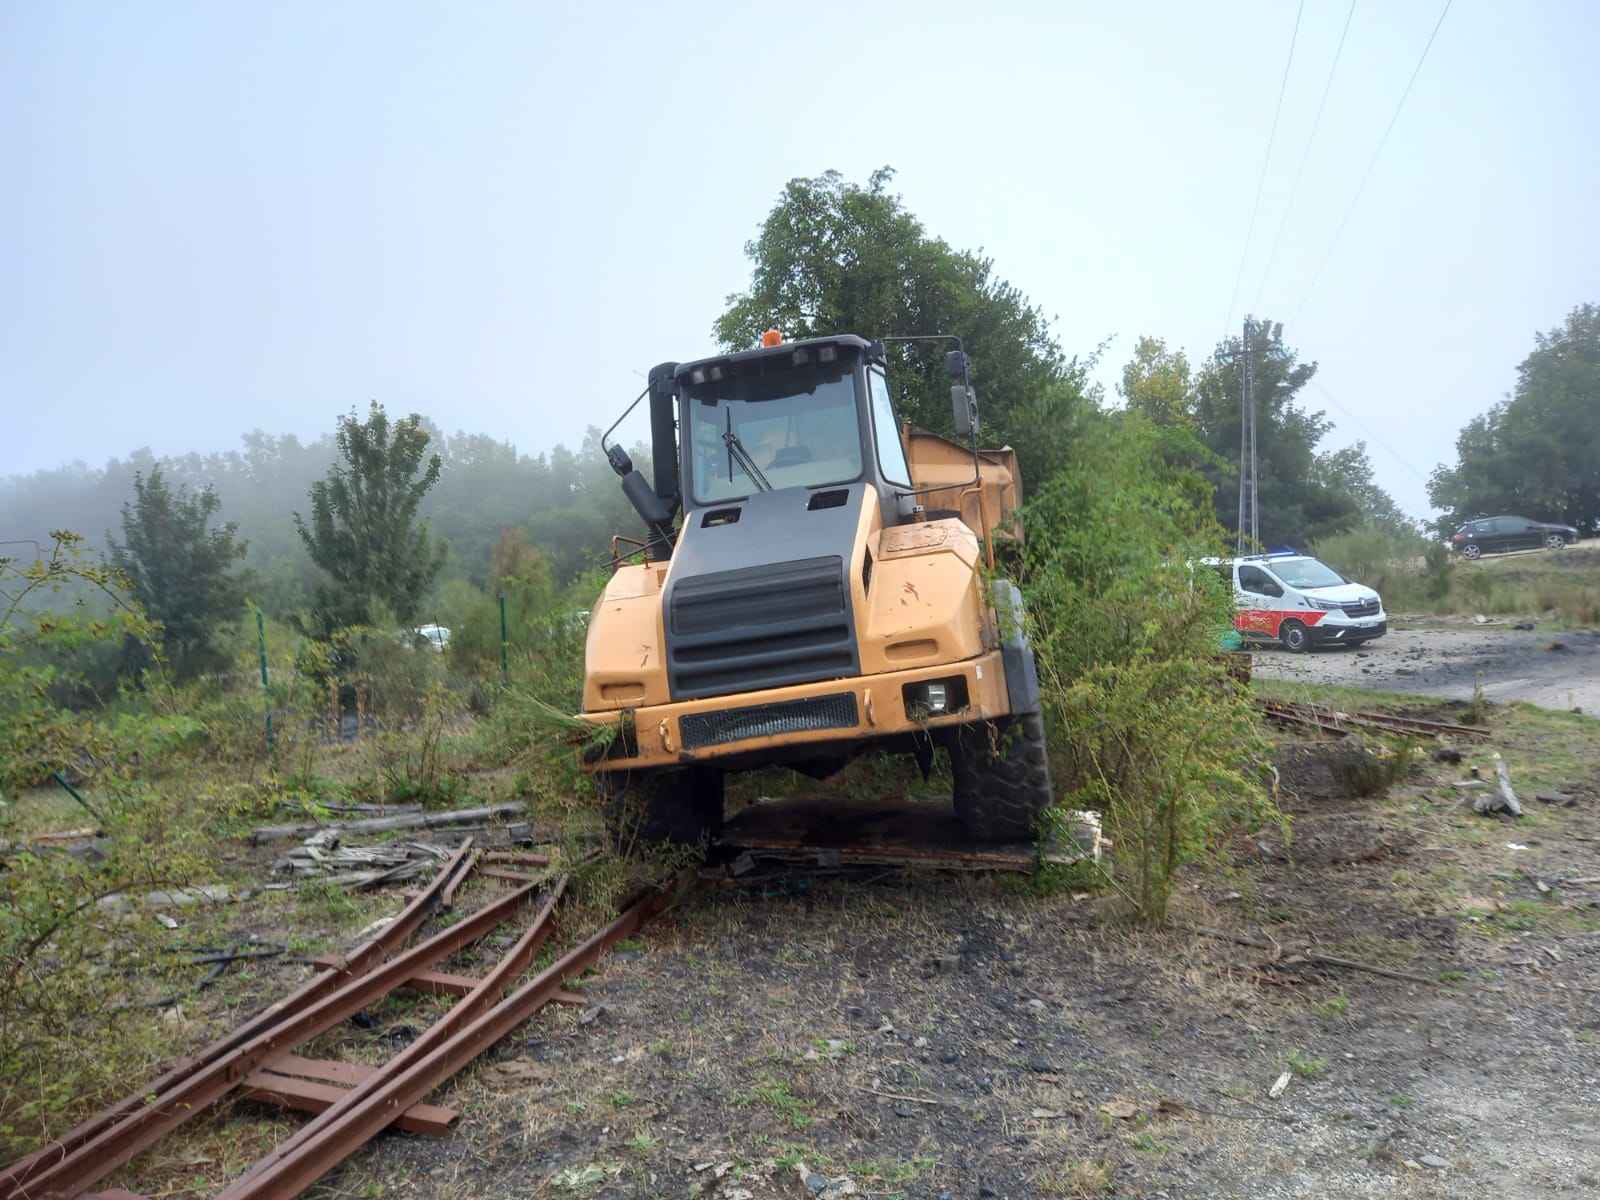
(843, 344)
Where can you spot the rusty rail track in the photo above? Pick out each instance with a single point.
(353, 1102)
(1336, 721)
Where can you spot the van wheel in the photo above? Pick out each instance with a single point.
(1555, 542)
(1002, 777)
(646, 808)
(1470, 551)
(1296, 638)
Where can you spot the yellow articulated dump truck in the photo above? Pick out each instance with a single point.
(817, 583)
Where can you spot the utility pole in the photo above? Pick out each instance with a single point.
(1255, 472)
(1249, 526)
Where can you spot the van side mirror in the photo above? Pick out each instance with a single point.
(963, 409)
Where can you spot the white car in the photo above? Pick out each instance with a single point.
(1301, 602)
(437, 636)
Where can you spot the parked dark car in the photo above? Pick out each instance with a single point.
(1492, 535)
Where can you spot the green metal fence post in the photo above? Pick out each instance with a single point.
(503, 639)
(261, 639)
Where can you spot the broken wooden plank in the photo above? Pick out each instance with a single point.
(1504, 798)
(306, 1095)
(271, 833)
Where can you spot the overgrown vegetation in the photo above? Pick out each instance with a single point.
(1144, 723)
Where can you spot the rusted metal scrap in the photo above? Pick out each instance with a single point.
(844, 833)
(1338, 722)
(432, 1059)
(353, 1102)
(19, 1179)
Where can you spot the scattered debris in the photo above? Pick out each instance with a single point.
(1504, 799)
(1306, 955)
(1279, 1086)
(323, 855)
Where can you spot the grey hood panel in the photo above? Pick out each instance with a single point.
(763, 600)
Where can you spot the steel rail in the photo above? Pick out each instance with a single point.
(349, 1125)
(358, 963)
(166, 1110)
(488, 991)
(1337, 720)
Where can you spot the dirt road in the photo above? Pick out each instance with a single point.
(1555, 670)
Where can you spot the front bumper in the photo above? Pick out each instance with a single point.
(1324, 633)
(826, 714)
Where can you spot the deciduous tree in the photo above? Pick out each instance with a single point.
(1537, 453)
(364, 531)
(836, 257)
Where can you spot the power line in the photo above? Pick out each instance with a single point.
(1372, 437)
(1261, 182)
(1299, 175)
(1316, 277)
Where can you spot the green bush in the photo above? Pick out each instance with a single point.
(1167, 748)
(1142, 720)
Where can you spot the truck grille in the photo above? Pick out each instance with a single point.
(760, 627)
(768, 720)
(1361, 608)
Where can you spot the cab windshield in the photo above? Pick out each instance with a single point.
(1306, 573)
(796, 429)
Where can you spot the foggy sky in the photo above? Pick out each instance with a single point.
(221, 217)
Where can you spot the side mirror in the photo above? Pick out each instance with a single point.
(963, 409)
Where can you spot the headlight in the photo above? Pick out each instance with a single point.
(1327, 605)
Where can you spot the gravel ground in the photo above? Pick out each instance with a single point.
(1553, 670)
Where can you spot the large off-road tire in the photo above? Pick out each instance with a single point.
(1002, 777)
(646, 808)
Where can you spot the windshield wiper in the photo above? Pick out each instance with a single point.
(737, 453)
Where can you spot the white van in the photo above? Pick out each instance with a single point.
(1300, 602)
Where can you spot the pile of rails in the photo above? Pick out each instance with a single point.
(353, 1102)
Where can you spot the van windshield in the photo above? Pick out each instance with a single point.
(1306, 573)
(798, 430)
